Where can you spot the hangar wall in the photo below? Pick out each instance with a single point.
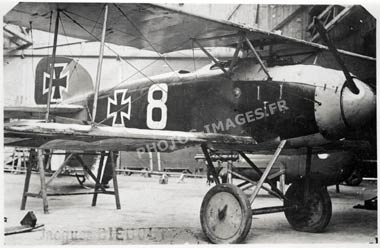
(269, 17)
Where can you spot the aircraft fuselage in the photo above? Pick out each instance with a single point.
(299, 101)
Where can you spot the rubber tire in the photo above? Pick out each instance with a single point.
(355, 178)
(300, 219)
(245, 205)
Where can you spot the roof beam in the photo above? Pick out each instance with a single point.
(17, 35)
(336, 19)
(288, 18)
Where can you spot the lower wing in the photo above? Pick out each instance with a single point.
(37, 111)
(79, 137)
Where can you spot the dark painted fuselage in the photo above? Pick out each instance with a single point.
(212, 103)
(300, 100)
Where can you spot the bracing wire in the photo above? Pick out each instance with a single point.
(82, 48)
(137, 70)
(192, 49)
(142, 35)
(112, 50)
(31, 36)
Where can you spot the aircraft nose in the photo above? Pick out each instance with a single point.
(358, 109)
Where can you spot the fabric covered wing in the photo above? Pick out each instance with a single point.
(87, 138)
(38, 110)
(151, 27)
(78, 137)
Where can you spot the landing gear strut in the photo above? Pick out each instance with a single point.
(226, 213)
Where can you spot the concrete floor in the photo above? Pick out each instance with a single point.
(168, 214)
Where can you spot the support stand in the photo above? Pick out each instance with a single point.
(99, 188)
(43, 193)
(32, 157)
(98, 178)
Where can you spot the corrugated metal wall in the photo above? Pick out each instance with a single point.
(262, 16)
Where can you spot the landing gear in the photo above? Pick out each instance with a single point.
(226, 215)
(355, 178)
(313, 213)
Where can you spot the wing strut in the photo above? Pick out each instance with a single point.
(100, 62)
(52, 66)
(258, 58)
(236, 54)
(216, 61)
(243, 38)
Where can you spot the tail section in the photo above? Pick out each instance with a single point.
(70, 79)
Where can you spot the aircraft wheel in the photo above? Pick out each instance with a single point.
(311, 216)
(355, 178)
(226, 215)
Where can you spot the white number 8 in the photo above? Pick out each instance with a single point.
(157, 103)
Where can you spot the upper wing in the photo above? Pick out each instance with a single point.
(151, 27)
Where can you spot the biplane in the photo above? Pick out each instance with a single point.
(242, 105)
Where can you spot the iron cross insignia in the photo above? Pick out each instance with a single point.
(119, 107)
(60, 82)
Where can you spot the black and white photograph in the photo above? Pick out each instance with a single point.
(192, 123)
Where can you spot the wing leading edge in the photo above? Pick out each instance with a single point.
(88, 138)
(79, 137)
(38, 110)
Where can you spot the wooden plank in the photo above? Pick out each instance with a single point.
(35, 195)
(320, 16)
(98, 177)
(288, 18)
(82, 193)
(27, 182)
(18, 35)
(334, 21)
(42, 179)
(20, 229)
(114, 180)
(56, 173)
(85, 167)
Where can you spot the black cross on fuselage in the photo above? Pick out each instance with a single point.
(118, 108)
(57, 82)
